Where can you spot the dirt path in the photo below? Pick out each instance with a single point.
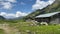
(9, 30)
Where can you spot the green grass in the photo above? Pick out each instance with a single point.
(24, 26)
(2, 31)
(42, 29)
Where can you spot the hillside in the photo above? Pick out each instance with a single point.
(1, 17)
(50, 8)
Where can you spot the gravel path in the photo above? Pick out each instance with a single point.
(9, 30)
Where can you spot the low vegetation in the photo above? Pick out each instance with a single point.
(31, 28)
(2, 31)
(27, 28)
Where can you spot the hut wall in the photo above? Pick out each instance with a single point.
(42, 20)
(55, 19)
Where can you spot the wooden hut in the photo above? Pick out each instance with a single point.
(50, 18)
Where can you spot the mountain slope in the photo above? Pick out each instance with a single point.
(50, 8)
(2, 18)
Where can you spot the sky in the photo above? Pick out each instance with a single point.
(18, 8)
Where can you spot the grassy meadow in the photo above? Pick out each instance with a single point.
(28, 28)
(2, 31)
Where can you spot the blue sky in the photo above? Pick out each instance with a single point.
(20, 5)
(13, 7)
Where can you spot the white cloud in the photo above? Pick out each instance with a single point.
(11, 1)
(7, 4)
(6, 15)
(11, 15)
(19, 13)
(51, 1)
(41, 4)
(3, 13)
